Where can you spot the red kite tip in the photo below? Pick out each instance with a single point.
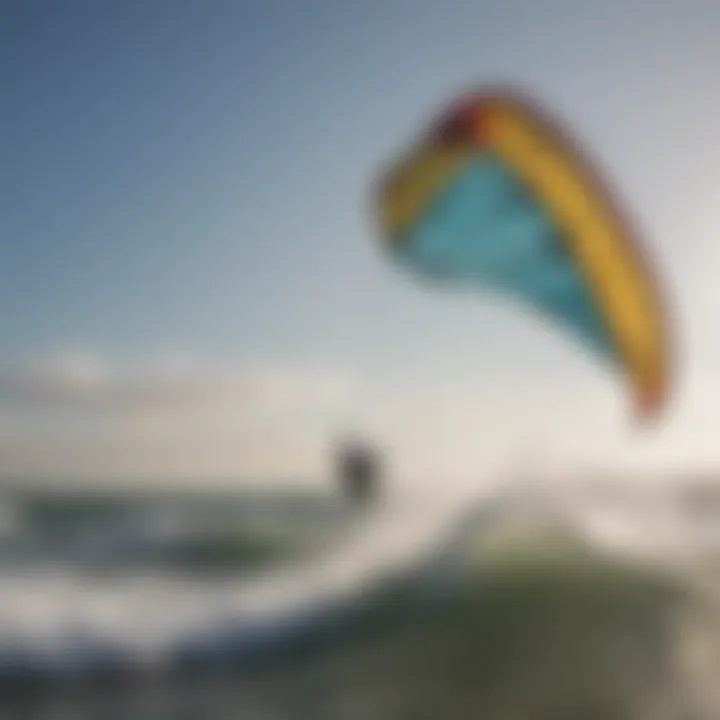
(468, 120)
(650, 400)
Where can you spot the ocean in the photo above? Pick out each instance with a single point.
(591, 601)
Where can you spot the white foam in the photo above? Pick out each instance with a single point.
(145, 614)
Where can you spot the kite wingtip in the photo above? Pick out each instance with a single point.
(650, 400)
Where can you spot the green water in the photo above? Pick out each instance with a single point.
(563, 634)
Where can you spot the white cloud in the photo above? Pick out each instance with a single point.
(83, 380)
(77, 417)
(65, 375)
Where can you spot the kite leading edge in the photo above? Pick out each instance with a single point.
(495, 195)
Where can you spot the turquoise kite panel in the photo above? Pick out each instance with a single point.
(488, 229)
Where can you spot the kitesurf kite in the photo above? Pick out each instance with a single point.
(496, 196)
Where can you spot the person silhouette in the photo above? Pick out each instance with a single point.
(359, 471)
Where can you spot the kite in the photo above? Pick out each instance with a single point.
(495, 195)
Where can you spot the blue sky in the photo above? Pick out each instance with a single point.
(189, 181)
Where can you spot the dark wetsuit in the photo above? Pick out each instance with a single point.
(359, 471)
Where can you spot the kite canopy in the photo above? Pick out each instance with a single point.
(496, 196)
